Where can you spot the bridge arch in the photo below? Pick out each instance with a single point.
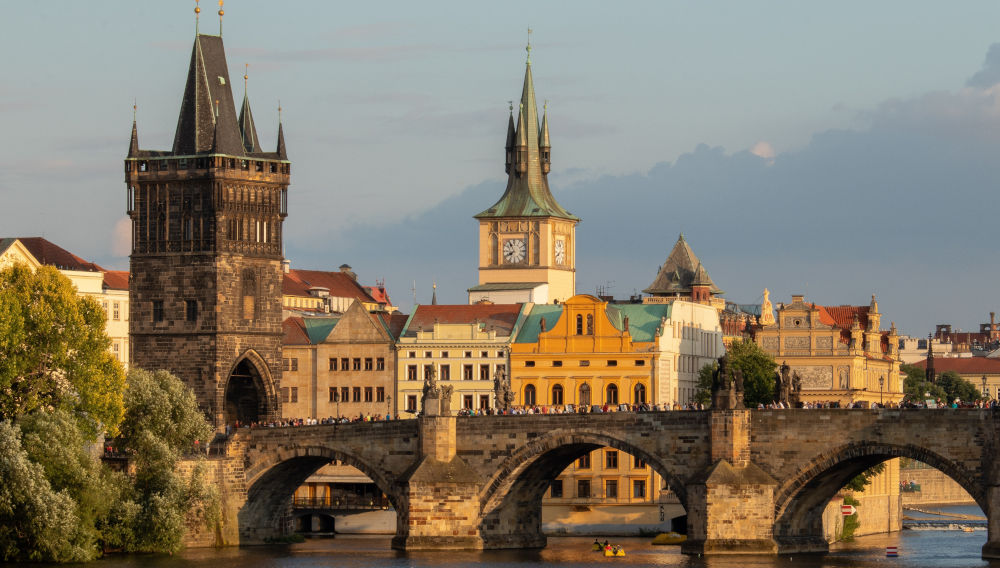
(275, 477)
(248, 393)
(511, 500)
(801, 498)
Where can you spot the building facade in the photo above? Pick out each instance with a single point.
(527, 241)
(840, 353)
(207, 219)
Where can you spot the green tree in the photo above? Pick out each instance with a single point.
(55, 351)
(703, 395)
(956, 387)
(758, 368)
(916, 388)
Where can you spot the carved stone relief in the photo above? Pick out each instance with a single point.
(844, 373)
(824, 342)
(796, 343)
(815, 377)
(770, 343)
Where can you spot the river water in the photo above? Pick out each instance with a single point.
(931, 548)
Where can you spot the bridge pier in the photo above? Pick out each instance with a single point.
(439, 509)
(992, 547)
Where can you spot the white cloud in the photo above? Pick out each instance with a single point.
(121, 237)
(763, 149)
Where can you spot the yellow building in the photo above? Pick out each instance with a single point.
(840, 353)
(588, 353)
(463, 346)
(527, 241)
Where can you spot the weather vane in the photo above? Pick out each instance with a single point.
(197, 12)
(528, 47)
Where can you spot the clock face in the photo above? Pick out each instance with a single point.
(560, 252)
(513, 250)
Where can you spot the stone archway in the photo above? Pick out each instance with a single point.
(267, 510)
(511, 502)
(800, 501)
(249, 395)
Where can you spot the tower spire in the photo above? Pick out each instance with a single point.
(133, 146)
(248, 130)
(544, 146)
(221, 13)
(282, 153)
(510, 138)
(527, 48)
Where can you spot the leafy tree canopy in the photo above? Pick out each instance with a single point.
(704, 393)
(758, 369)
(54, 351)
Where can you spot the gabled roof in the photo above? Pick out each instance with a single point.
(643, 319)
(492, 317)
(527, 193)
(51, 254)
(295, 332)
(680, 272)
(198, 128)
(963, 365)
(843, 316)
(394, 322)
(116, 280)
(298, 282)
(532, 323)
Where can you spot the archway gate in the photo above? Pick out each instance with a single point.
(750, 480)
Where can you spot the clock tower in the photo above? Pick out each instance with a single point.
(527, 244)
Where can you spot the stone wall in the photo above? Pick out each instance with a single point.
(935, 488)
(226, 475)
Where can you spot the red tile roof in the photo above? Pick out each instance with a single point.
(116, 279)
(843, 316)
(298, 283)
(964, 365)
(395, 322)
(499, 317)
(295, 332)
(51, 254)
(379, 293)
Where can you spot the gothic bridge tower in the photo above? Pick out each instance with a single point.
(205, 289)
(527, 241)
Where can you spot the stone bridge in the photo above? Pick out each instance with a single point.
(751, 481)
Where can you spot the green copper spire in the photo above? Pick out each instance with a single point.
(528, 193)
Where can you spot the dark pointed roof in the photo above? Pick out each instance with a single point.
(198, 128)
(282, 153)
(133, 145)
(527, 193)
(681, 271)
(248, 131)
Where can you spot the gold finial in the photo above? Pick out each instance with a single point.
(279, 111)
(246, 75)
(511, 105)
(197, 11)
(221, 13)
(216, 108)
(135, 107)
(545, 105)
(528, 47)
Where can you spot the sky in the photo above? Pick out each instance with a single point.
(836, 149)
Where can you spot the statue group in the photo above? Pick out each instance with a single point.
(727, 386)
(436, 401)
(787, 387)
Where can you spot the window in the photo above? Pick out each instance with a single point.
(529, 395)
(290, 364)
(484, 354)
(105, 306)
(411, 354)
(467, 402)
(345, 364)
(444, 354)
(427, 354)
(467, 372)
(468, 354)
(612, 394)
(583, 488)
(612, 363)
(295, 394)
(157, 310)
(333, 394)
(411, 402)
(484, 401)
(117, 312)
(557, 394)
(428, 371)
(380, 364)
(369, 363)
(499, 353)
(484, 372)
(639, 488)
(583, 462)
(557, 363)
(640, 362)
(190, 310)
(584, 363)
(369, 395)
(579, 324)
(345, 394)
(445, 372)
(585, 394)
(333, 365)
(529, 363)
(555, 488)
(284, 394)
(638, 463)
(411, 372)
(379, 394)
(590, 324)
(356, 392)
(611, 459)
(640, 394)
(611, 489)
(356, 364)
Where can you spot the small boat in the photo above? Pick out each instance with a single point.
(597, 547)
(968, 529)
(616, 551)
(669, 538)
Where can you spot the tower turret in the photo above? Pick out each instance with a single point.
(544, 147)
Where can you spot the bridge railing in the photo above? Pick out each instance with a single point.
(342, 503)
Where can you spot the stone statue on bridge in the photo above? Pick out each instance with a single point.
(795, 397)
(434, 401)
(502, 391)
(727, 386)
(783, 385)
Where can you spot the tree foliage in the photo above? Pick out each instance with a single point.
(956, 387)
(703, 395)
(916, 388)
(758, 369)
(54, 352)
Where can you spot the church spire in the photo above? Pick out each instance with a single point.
(133, 145)
(544, 146)
(527, 193)
(248, 130)
(282, 153)
(510, 138)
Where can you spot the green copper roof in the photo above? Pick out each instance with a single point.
(643, 319)
(527, 193)
(531, 327)
(319, 329)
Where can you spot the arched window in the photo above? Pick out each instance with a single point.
(557, 394)
(590, 324)
(585, 394)
(529, 395)
(612, 394)
(579, 324)
(640, 394)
